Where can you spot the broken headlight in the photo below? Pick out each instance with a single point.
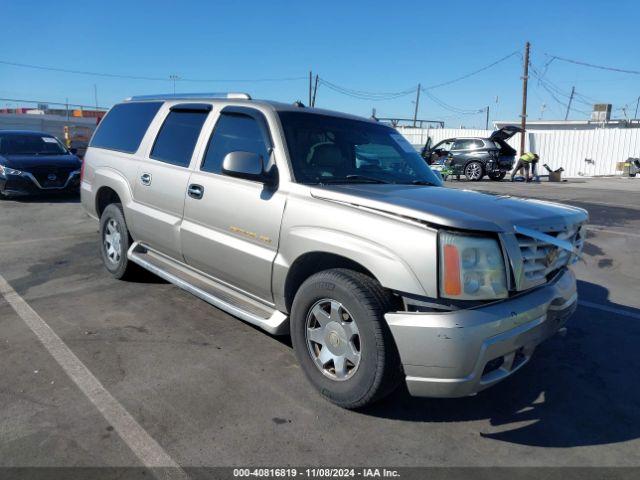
(471, 267)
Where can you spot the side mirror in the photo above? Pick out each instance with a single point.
(74, 151)
(247, 165)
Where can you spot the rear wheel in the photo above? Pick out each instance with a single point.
(341, 338)
(497, 176)
(474, 171)
(115, 242)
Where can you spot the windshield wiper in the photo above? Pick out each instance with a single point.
(366, 179)
(351, 179)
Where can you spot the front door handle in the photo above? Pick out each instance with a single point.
(195, 191)
(145, 179)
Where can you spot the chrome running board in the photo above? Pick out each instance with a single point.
(209, 290)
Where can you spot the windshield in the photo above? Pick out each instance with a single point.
(30, 144)
(327, 149)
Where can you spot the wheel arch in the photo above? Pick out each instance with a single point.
(311, 263)
(308, 250)
(113, 188)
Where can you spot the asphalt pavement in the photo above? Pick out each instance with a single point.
(122, 371)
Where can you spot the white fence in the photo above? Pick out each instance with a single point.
(52, 124)
(579, 152)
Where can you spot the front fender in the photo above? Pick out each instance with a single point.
(387, 267)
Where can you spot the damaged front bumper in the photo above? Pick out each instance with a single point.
(459, 353)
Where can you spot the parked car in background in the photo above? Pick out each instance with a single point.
(333, 229)
(35, 163)
(475, 157)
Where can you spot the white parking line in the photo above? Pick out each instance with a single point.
(605, 308)
(148, 451)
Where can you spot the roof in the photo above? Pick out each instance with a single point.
(235, 100)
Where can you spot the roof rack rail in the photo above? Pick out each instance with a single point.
(184, 96)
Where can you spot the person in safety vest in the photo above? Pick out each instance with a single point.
(524, 162)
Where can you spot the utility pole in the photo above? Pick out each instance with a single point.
(415, 112)
(95, 94)
(525, 78)
(174, 78)
(315, 90)
(486, 123)
(67, 107)
(635, 115)
(310, 86)
(573, 90)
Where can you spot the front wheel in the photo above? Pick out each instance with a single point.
(341, 338)
(474, 171)
(497, 176)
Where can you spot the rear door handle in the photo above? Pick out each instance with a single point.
(195, 191)
(145, 179)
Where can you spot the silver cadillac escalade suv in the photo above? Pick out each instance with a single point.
(333, 229)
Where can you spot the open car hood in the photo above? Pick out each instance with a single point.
(505, 133)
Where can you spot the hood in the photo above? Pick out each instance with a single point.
(25, 162)
(505, 133)
(449, 207)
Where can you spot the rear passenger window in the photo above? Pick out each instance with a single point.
(233, 132)
(467, 144)
(178, 136)
(124, 126)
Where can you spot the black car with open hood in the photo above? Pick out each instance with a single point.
(36, 163)
(475, 157)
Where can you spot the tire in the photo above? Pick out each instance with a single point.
(370, 362)
(496, 177)
(114, 232)
(474, 171)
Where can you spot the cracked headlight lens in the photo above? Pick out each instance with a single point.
(471, 267)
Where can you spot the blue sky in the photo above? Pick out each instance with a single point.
(363, 45)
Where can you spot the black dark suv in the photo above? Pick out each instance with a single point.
(475, 157)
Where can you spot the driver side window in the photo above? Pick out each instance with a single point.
(233, 132)
(444, 146)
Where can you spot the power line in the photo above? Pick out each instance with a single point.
(591, 65)
(141, 77)
(458, 110)
(379, 96)
(553, 90)
(366, 95)
(463, 77)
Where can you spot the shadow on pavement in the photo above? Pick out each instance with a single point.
(579, 390)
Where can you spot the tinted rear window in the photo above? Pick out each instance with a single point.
(178, 137)
(124, 126)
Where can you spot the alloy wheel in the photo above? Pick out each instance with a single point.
(473, 171)
(333, 339)
(112, 241)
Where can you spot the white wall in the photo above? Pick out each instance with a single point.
(558, 148)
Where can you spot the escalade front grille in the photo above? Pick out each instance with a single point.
(539, 258)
